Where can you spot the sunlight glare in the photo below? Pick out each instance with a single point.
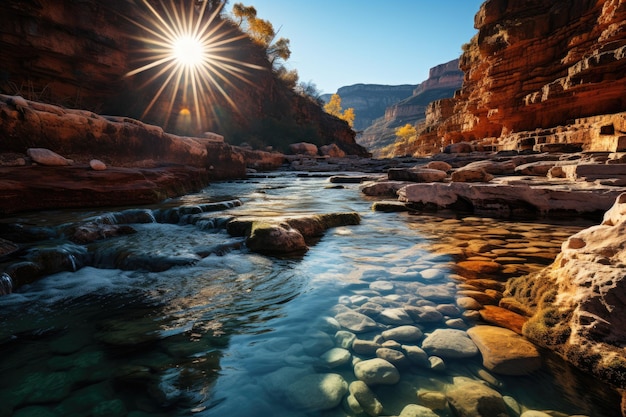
(188, 51)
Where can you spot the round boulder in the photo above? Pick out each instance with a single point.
(316, 392)
(450, 344)
(376, 372)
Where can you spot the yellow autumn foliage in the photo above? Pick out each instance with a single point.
(334, 107)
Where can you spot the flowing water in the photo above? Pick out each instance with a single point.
(181, 319)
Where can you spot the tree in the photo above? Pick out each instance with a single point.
(405, 135)
(289, 77)
(406, 132)
(334, 107)
(262, 32)
(310, 91)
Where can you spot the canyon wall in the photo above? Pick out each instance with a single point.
(538, 65)
(442, 82)
(77, 54)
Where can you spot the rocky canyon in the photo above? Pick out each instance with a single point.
(529, 123)
(539, 74)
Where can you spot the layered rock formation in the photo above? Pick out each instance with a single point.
(538, 65)
(579, 301)
(442, 82)
(77, 54)
(139, 163)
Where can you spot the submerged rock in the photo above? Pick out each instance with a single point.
(286, 235)
(377, 372)
(468, 397)
(450, 343)
(504, 351)
(316, 392)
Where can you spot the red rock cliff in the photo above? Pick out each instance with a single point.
(538, 64)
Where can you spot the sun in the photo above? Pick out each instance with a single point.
(186, 50)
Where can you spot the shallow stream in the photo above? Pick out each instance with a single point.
(233, 333)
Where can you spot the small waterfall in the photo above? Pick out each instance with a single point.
(63, 257)
(72, 260)
(190, 214)
(6, 284)
(211, 223)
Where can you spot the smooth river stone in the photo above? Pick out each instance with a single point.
(473, 398)
(416, 355)
(377, 372)
(382, 286)
(336, 357)
(431, 274)
(344, 339)
(370, 309)
(316, 392)
(403, 334)
(504, 351)
(414, 410)
(393, 356)
(356, 322)
(503, 318)
(450, 344)
(424, 314)
(395, 316)
(468, 303)
(365, 347)
(449, 310)
(437, 293)
(366, 398)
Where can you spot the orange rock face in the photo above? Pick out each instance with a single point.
(537, 64)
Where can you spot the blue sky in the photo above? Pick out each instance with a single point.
(335, 43)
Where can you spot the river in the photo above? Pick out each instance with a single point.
(212, 329)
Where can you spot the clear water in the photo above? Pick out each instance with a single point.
(207, 337)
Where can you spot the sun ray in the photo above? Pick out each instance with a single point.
(186, 51)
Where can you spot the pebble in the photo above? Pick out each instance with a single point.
(366, 398)
(403, 334)
(431, 274)
(448, 310)
(97, 165)
(377, 372)
(450, 343)
(395, 316)
(468, 303)
(457, 323)
(336, 357)
(434, 400)
(344, 339)
(365, 347)
(416, 355)
(316, 392)
(382, 286)
(436, 363)
(393, 356)
(356, 322)
(414, 410)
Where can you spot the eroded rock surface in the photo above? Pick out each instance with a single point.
(579, 301)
